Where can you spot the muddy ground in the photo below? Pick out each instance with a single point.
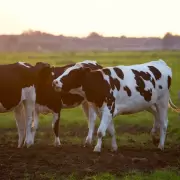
(44, 158)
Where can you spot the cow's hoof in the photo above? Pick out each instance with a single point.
(161, 147)
(97, 149)
(114, 149)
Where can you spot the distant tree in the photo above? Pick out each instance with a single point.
(123, 37)
(168, 41)
(94, 35)
(34, 33)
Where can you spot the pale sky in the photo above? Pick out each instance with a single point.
(80, 17)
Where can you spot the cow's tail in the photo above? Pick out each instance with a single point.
(172, 106)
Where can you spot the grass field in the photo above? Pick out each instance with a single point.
(137, 157)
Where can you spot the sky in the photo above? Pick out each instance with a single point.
(80, 17)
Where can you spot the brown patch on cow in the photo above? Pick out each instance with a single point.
(96, 88)
(119, 72)
(116, 83)
(155, 71)
(112, 108)
(146, 76)
(127, 90)
(106, 71)
(160, 87)
(111, 103)
(141, 85)
(169, 82)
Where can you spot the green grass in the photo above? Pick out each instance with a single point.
(75, 116)
(134, 175)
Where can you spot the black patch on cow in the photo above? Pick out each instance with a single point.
(107, 71)
(155, 71)
(127, 90)
(169, 82)
(140, 77)
(160, 87)
(119, 72)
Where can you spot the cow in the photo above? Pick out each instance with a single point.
(50, 101)
(121, 90)
(18, 93)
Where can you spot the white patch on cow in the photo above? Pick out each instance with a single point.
(29, 95)
(23, 64)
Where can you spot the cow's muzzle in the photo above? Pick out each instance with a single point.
(57, 85)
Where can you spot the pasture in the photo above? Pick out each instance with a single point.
(137, 157)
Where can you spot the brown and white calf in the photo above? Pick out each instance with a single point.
(18, 92)
(122, 90)
(50, 101)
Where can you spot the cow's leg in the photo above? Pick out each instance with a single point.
(105, 121)
(91, 116)
(55, 127)
(30, 108)
(35, 124)
(111, 131)
(19, 114)
(155, 128)
(162, 109)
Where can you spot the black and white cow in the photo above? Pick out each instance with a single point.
(122, 90)
(18, 85)
(50, 101)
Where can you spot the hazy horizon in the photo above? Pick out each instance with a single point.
(140, 18)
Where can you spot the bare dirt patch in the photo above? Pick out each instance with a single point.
(43, 158)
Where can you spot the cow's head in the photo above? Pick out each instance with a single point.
(44, 72)
(72, 78)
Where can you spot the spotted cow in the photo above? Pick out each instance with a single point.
(18, 93)
(122, 90)
(50, 101)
